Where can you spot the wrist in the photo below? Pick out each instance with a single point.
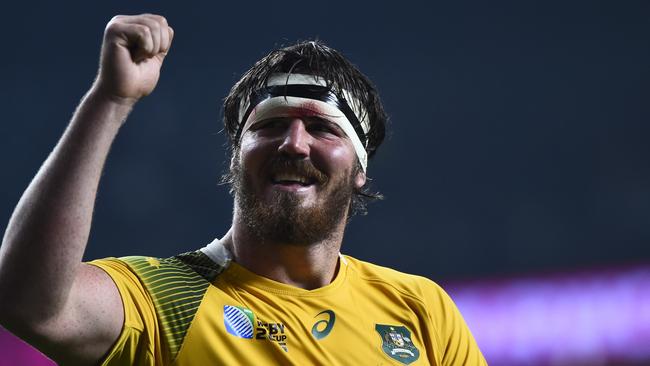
(105, 108)
(98, 93)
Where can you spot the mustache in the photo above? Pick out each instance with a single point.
(303, 167)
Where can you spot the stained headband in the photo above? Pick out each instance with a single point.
(294, 90)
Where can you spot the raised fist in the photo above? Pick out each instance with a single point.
(132, 53)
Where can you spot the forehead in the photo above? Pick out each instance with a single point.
(296, 109)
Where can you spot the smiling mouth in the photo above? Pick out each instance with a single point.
(289, 179)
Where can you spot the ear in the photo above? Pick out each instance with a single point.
(360, 179)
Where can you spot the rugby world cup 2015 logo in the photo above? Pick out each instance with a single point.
(242, 322)
(239, 321)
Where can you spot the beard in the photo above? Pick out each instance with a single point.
(284, 218)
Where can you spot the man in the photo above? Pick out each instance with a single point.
(273, 290)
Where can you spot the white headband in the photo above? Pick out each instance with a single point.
(274, 106)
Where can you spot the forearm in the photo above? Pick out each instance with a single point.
(46, 236)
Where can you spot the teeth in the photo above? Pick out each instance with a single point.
(291, 178)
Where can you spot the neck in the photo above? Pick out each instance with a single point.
(307, 266)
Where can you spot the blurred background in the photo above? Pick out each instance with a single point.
(516, 172)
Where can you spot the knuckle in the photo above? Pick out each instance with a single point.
(161, 20)
(158, 19)
(114, 24)
(111, 28)
(151, 26)
(118, 19)
(144, 31)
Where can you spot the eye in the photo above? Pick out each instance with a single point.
(324, 127)
(320, 127)
(267, 124)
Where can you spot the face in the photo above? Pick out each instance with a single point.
(294, 176)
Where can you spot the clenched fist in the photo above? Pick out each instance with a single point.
(132, 53)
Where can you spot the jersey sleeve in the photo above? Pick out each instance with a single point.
(138, 343)
(458, 346)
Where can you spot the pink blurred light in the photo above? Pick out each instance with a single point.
(15, 352)
(595, 318)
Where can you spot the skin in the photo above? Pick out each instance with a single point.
(72, 311)
(298, 135)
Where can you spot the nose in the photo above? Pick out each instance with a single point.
(296, 140)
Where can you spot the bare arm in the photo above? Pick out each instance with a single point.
(69, 310)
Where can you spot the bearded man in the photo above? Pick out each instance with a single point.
(275, 289)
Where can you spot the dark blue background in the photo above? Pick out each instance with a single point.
(519, 135)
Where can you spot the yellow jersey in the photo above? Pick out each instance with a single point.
(192, 310)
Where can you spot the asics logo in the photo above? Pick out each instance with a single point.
(323, 327)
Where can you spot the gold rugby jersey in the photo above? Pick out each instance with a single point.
(193, 310)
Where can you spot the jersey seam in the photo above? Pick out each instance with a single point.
(419, 300)
(189, 328)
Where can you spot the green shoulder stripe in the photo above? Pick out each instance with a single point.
(176, 286)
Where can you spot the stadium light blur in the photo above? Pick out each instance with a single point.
(589, 318)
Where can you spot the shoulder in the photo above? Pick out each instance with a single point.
(408, 284)
(167, 291)
(456, 343)
(192, 266)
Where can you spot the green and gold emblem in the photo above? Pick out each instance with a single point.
(397, 343)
